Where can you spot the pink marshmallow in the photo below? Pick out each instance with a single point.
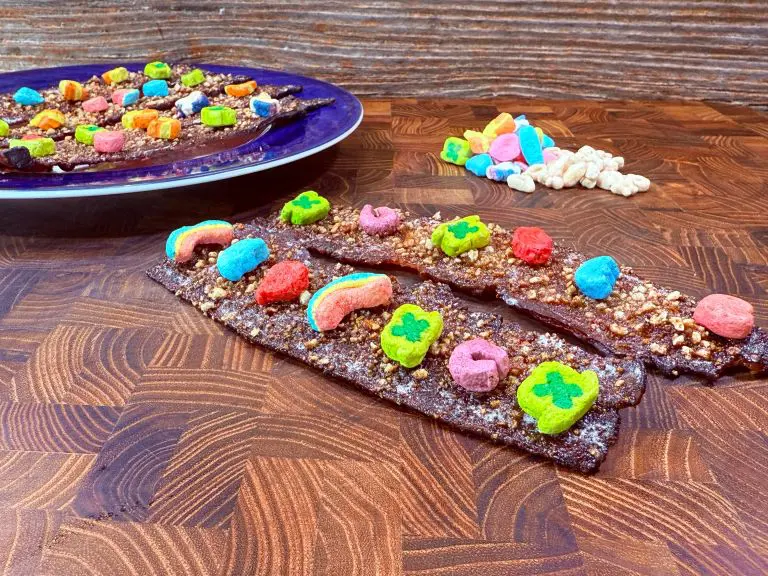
(108, 141)
(550, 155)
(505, 148)
(725, 315)
(380, 221)
(97, 104)
(478, 365)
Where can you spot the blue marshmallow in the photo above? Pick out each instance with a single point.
(28, 97)
(521, 121)
(500, 172)
(263, 105)
(547, 142)
(155, 88)
(242, 257)
(596, 277)
(530, 145)
(192, 103)
(478, 164)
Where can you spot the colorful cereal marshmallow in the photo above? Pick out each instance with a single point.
(502, 124)
(116, 75)
(164, 128)
(596, 277)
(125, 96)
(239, 90)
(96, 104)
(108, 141)
(557, 396)
(505, 148)
(264, 105)
(500, 172)
(218, 116)
(4, 128)
(478, 164)
(193, 78)
(84, 133)
(329, 305)
(459, 236)
(155, 88)
(456, 151)
(408, 335)
(241, 257)
(139, 118)
(157, 70)
(530, 145)
(479, 143)
(192, 103)
(532, 245)
(725, 315)
(381, 221)
(37, 146)
(283, 282)
(181, 243)
(307, 208)
(478, 365)
(72, 90)
(28, 97)
(48, 119)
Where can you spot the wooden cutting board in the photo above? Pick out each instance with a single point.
(138, 437)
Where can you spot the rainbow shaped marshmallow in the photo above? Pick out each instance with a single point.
(329, 305)
(181, 242)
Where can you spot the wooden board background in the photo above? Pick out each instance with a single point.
(139, 437)
(712, 50)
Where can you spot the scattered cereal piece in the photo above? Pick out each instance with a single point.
(139, 119)
(532, 245)
(241, 257)
(155, 88)
(37, 147)
(459, 236)
(726, 316)
(283, 282)
(84, 133)
(181, 242)
(478, 365)
(116, 75)
(96, 104)
(193, 78)
(239, 90)
(557, 396)
(108, 141)
(408, 335)
(72, 90)
(218, 116)
(28, 97)
(191, 103)
(597, 276)
(164, 128)
(381, 221)
(329, 305)
(125, 96)
(456, 151)
(48, 119)
(263, 105)
(307, 208)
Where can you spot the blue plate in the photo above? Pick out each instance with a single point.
(319, 130)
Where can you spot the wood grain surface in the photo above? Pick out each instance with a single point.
(714, 50)
(139, 437)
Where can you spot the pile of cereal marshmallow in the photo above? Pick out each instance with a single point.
(512, 150)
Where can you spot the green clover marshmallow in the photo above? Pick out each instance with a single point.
(84, 133)
(193, 78)
(157, 70)
(556, 395)
(462, 235)
(408, 336)
(4, 128)
(456, 151)
(307, 208)
(37, 147)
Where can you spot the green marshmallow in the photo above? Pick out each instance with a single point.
(193, 78)
(217, 116)
(157, 70)
(461, 235)
(409, 334)
(456, 151)
(37, 147)
(4, 128)
(557, 396)
(307, 208)
(84, 133)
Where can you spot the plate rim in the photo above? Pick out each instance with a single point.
(187, 180)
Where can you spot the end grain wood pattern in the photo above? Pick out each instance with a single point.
(715, 50)
(139, 437)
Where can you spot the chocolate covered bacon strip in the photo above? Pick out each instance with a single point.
(638, 319)
(352, 351)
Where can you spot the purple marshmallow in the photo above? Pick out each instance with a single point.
(380, 221)
(478, 365)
